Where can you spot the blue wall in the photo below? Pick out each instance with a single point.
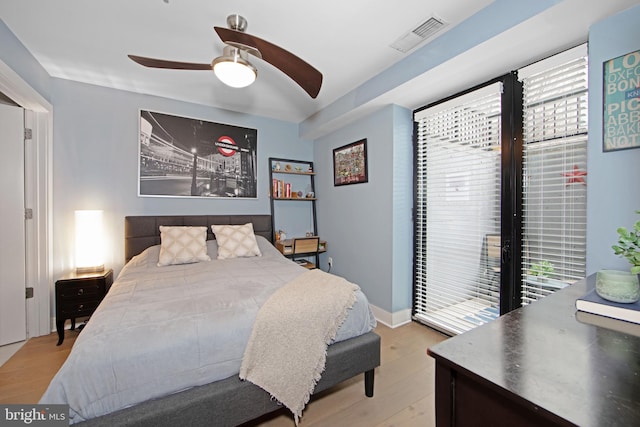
(613, 192)
(402, 200)
(96, 161)
(368, 225)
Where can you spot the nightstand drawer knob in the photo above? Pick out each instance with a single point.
(81, 306)
(80, 291)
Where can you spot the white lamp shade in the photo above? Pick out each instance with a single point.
(89, 241)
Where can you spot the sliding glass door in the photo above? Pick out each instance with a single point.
(458, 186)
(500, 195)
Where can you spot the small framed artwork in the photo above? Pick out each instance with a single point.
(621, 121)
(350, 163)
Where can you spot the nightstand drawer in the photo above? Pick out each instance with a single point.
(79, 308)
(84, 289)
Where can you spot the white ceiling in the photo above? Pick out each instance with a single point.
(347, 40)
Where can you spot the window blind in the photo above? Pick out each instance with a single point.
(457, 277)
(555, 180)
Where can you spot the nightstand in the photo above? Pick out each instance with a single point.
(78, 295)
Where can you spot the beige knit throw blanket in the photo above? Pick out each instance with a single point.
(287, 350)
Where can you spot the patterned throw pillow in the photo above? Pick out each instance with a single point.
(182, 245)
(236, 241)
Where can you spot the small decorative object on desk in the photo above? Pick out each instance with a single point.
(618, 286)
(623, 286)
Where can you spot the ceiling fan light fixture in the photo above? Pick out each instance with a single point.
(233, 68)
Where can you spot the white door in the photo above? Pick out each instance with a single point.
(12, 237)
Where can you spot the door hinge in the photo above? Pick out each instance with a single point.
(29, 293)
(28, 134)
(28, 213)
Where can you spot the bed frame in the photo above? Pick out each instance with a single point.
(230, 402)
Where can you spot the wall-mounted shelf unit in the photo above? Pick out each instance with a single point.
(292, 181)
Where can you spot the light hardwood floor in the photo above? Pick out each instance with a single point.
(404, 383)
(26, 375)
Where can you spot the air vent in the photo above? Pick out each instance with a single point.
(422, 32)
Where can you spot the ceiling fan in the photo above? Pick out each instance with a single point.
(234, 68)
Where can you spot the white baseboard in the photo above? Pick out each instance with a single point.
(392, 320)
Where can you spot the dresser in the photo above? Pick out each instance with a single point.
(78, 295)
(541, 365)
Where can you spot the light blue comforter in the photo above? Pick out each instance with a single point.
(161, 330)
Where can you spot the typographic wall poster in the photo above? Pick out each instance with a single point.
(186, 157)
(621, 112)
(350, 164)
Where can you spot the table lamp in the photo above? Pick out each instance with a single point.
(89, 241)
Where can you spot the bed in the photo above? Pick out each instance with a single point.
(224, 401)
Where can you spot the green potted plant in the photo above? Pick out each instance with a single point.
(542, 269)
(628, 245)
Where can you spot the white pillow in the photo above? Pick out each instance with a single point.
(236, 241)
(182, 245)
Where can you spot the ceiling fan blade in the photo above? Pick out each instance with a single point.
(173, 65)
(298, 70)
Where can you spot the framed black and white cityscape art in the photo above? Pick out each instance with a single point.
(186, 157)
(350, 163)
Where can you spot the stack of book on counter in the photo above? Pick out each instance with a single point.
(595, 310)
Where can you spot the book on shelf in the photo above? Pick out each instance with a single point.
(595, 304)
(281, 189)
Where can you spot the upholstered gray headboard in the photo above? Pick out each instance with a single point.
(141, 232)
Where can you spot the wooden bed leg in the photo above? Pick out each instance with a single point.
(368, 382)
